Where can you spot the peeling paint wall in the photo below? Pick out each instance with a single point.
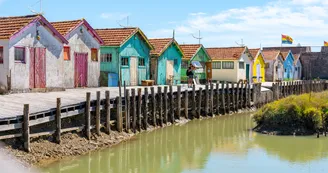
(4, 68)
(82, 43)
(275, 70)
(54, 61)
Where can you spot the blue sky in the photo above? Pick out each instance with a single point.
(222, 23)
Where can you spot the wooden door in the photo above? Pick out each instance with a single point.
(81, 69)
(247, 72)
(37, 67)
(258, 73)
(169, 70)
(208, 70)
(133, 71)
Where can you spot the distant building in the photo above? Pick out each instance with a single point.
(274, 65)
(298, 67)
(288, 65)
(314, 64)
(258, 66)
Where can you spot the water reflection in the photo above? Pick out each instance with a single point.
(199, 145)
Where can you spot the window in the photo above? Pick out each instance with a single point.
(295, 68)
(94, 54)
(228, 65)
(20, 54)
(241, 65)
(203, 64)
(184, 64)
(67, 53)
(175, 61)
(106, 57)
(216, 65)
(1, 55)
(141, 61)
(125, 61)
(285, 70)
(267, 65)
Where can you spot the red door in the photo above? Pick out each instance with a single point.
(81, 69)
(37, 67)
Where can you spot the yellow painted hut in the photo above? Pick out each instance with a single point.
(258, 65)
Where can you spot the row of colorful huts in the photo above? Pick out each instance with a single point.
(36, 53)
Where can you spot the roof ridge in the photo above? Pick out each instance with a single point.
(66, 21)
(31, 15)
(225, 47)
(160, 38)
(117, 28)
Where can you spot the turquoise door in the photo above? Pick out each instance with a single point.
(247, 72)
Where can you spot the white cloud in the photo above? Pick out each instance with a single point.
(197, 14)
(113, 16)
(306, 21)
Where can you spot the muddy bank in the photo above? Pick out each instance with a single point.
(283, 131)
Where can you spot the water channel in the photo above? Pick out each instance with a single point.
(221, 144)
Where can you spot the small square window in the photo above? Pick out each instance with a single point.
(67, 52)
(216, 65)
(94, 54)
(184, 64)
(125, 61)
(241, 65)
(20, 54)
(141, 61)
(1, 55)
(175, 61)
(228, 65)
(106, 57)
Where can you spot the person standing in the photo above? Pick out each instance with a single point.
(190, 74)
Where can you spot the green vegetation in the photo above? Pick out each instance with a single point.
(299, 115)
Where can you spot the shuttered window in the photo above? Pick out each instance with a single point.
(1, 55)
(184, 64)
(107, 57)
(216, 65)
(141, 61)
(241, 65)
(227, 65)
(94, 54)
(67, 53)
(20, 54)
(125, 62)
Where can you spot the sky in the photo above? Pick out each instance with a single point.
(222, 23)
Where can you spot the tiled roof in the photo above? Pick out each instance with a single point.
(64, 27)
(296, 57)
(11, 25)
(254, 52)
(284, 54)
(270, 54)
(160, 45)
(295, 50)
(226, 53)
(189, 50)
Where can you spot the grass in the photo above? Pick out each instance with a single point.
(301, 115)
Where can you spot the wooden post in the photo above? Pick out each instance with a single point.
(242, 95)
(160, 106)
(249, 95)
(153, 100)
(139, 109)
(58, 122)
(165, 105)
(193, 101)
(127, 111)
(119, 122)
(26, 128)
(98, 114)
(87, 117)
(134, 110)
(107, 93)
(199, 110)
(246, 95)
(145, 113)
(233, 97)
(206, 100)
(223, 93)
(238, 96)
(228, 97)
(178, 111)
(171, 105)
(186, 104)
(212, 100)
(217, 94)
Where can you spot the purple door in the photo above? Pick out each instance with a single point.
(37, 67)
(81, 69)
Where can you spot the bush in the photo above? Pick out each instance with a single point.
(304, 113)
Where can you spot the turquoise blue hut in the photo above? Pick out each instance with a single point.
(166, 61)
(125, 53)
(288, 65)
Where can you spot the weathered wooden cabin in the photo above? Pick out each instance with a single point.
(30, 54)
(196, 53)
(165, 65)
(298, 67)
(125, 53)
(288, 65)
(274, 65)
(231, 64)
(81, 54)
(258, 65)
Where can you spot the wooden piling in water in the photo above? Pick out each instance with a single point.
(145, 108)
(238, 96)
(172, 119)
(108, 130)
(223, 93)
(153, 100)
(98, 114)
(186, 104)
(134, 110)
(119, 121)
(160, 106)
(26, 128)
(233, 97)
(87, 116)
(193, 101)
(165, 105)
(211, 100)
(206, 103)
(139, 109)
(242, 98)
(127, 111)
(249, 95)
(217, 95)
(58, 122)
(178, 110)
(199, 109)
(228, 103)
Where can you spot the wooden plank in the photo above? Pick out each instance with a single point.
(153, 100)
(178, 110)
(26, 128)
(98, 114)
(206, 103)
(107, 94)
(172, 118)
(223, 93)
(87, 117)
(127, 111)
(134, 110)
(165, 104)
(119, 119)
(186, 104)
(193, 101)
(145, 104)
(58, 122)
(160, 106)
(139, 109)
(217, 95)
(199, 109)
(11, 136)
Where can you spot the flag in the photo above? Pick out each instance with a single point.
(285, 39)
(325, 44)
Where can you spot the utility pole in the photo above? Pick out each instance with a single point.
(198, 38)
(242, 43)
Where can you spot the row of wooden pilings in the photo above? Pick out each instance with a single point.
(141, 108)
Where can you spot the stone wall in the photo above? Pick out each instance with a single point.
(315, 64)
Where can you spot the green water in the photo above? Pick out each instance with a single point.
(222, 144)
